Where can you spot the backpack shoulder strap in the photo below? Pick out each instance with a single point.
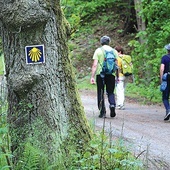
(104, 51)
(114, 52)
(127, 58)
(104, 54)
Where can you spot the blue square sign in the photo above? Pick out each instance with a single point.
(35, 54)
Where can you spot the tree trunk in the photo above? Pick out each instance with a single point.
(130, 17)
(44, 104)
(140, 23)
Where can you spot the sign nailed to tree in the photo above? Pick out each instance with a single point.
(35, 54)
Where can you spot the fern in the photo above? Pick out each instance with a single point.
(33, 159)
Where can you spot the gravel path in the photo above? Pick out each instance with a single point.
(141, 126)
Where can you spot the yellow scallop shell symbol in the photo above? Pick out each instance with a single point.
(35, 54)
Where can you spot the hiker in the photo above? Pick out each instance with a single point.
(103, 79)
(124, 77)
(165, 68)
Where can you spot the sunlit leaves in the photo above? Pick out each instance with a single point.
(156, 36)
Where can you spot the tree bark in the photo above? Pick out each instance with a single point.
(140, 22)
(44, 104)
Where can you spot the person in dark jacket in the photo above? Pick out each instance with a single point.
(165, 68)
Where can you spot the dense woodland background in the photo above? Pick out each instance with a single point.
(141, 27)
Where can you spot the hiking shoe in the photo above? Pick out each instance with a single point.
(167, 116)
(112, 111)
(102, 114)
(121, 107)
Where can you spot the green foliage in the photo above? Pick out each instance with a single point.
(102, 152)
(84, 83)
(77, 12)
(144, 94)
(1, 64)
(147, 56)
(5, 155)
(33, 159)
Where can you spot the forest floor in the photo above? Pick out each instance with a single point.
(140, 126)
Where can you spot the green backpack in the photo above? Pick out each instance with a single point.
(127, 67)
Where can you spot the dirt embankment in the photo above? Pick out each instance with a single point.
(142, 128)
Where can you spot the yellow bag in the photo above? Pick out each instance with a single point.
(127, 66)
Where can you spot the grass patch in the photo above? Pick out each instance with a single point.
(143, 94)
(1, 65)
(84, 83)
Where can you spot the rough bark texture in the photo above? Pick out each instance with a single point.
(44, 104)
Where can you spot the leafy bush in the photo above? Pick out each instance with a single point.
(147, 56)
(144, 94)
(80, 11)
(102, 152)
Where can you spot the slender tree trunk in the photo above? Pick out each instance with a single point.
(140, 23)
(44, 104)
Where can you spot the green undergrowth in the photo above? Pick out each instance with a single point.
(101, 152)
(104, 153)
(140, 93)
(1, 65)
(84, 83)
(144, 94)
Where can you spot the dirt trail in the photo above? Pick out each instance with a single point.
(141, 126)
